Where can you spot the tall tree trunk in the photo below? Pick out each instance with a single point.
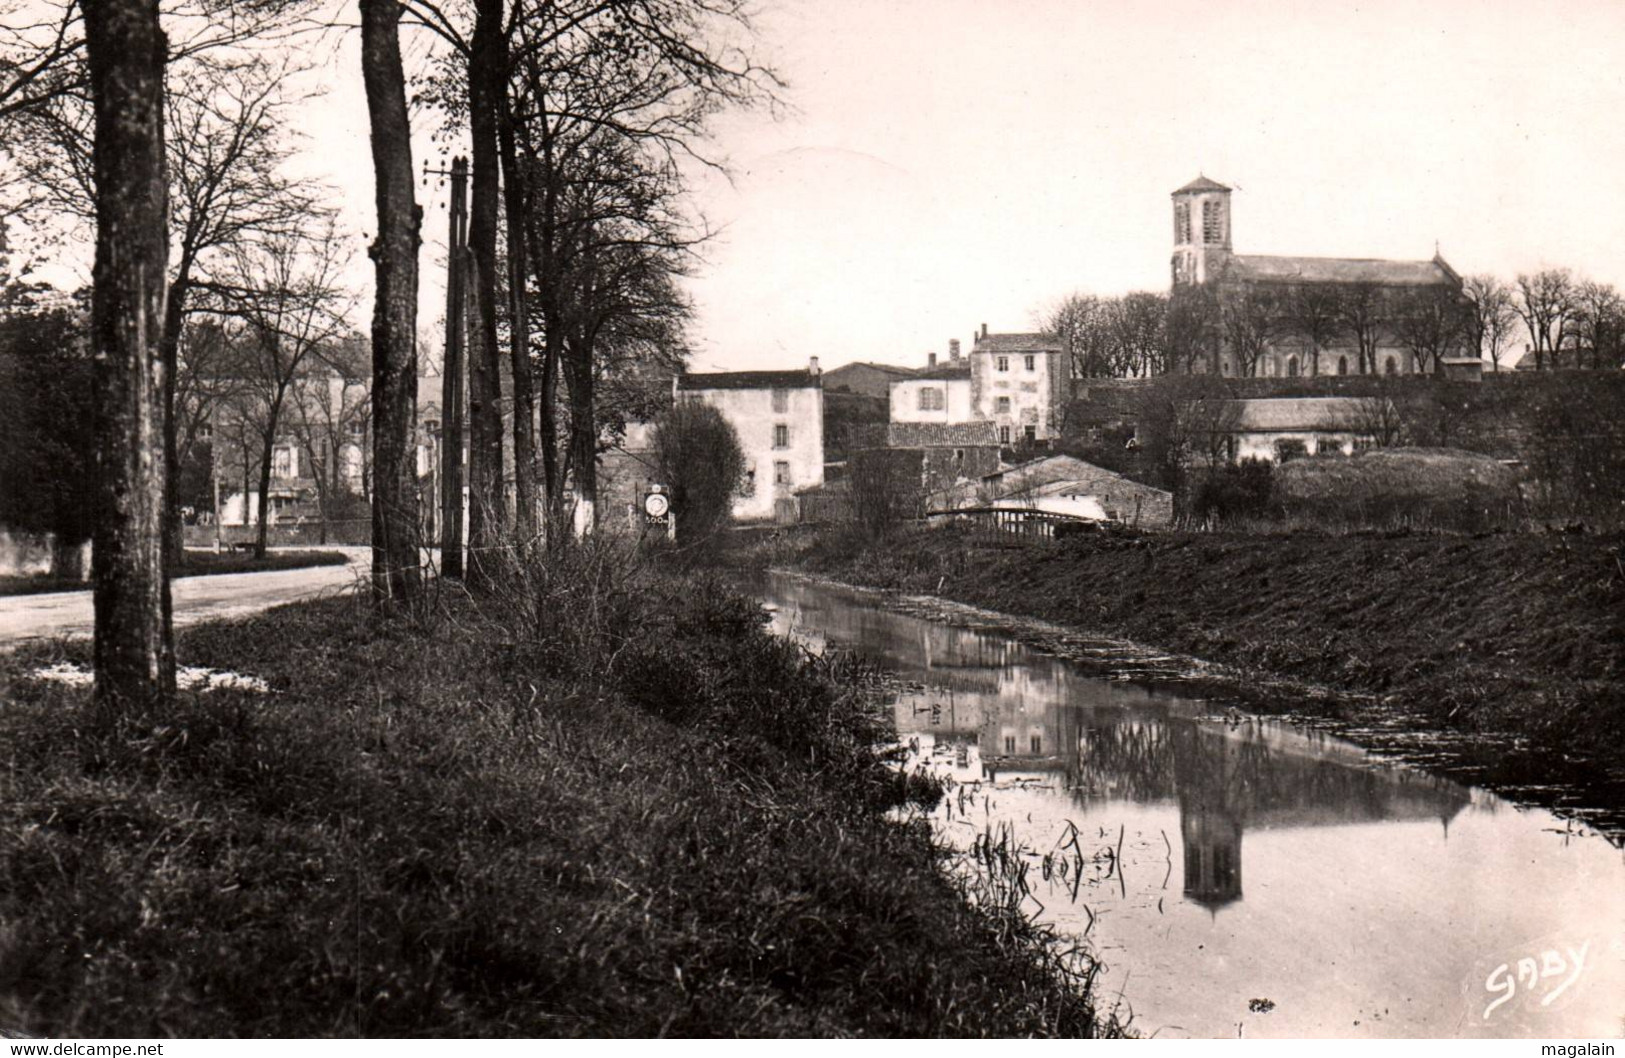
(394, 318)
(134, 647)
(583, 434)
(524, 390)
(267, 450)
(487, 88)
(451, 382)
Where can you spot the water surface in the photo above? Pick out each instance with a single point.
(1240, 875)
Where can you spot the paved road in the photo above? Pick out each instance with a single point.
(68, 613)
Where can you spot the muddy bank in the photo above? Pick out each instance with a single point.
(1496, 659)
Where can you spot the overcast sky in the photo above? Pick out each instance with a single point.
(953, 162)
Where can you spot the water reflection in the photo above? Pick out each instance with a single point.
(1233, 858)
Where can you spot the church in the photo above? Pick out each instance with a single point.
(1360, 300)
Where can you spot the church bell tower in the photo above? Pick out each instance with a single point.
(1201, 231)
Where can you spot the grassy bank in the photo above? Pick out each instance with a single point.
(195, 564)
(1521, 633)
(607, 805)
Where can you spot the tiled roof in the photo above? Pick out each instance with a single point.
(1201, 183)
(1287, 414)
(749, 380)
(1336, 270)
(1017, 343)
(942, 435)
(888, 369)
(950, 370)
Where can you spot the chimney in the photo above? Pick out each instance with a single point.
(984, 330)
(930, 359)
(812, 366)
(953, 349)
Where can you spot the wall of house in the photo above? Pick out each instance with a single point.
(1315, 442)
(1034, 394)
(750, 412)
(956, 402)
(941, 467)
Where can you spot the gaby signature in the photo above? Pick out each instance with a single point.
(1547, 974)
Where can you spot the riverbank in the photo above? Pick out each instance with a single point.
(1509, 634)
(196, 563)
(615, 810)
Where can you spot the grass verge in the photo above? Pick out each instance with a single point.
(606, 804)
(195, 564)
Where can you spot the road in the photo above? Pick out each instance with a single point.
(69, 613)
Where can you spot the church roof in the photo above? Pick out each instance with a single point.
(1201, 183)
(1268, 268)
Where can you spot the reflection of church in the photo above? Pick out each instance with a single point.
(1229, 780)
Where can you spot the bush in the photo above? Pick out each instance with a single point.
(1242, 491)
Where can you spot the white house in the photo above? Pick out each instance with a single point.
(1017, 382)
(779, 417)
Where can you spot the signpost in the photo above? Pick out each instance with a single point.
(657, 512)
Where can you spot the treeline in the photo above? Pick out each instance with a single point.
(1566, 322)
(164, 127)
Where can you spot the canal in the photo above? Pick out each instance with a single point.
(1240, 875)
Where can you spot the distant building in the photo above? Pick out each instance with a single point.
(1015, 382)
(1282, 428)
(948, 452)
(865, 379)
(1203, 258)
(779, 417)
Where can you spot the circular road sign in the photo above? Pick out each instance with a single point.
(656, 504)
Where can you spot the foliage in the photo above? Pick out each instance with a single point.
(885, 488)
(1235, 492)
(697, 455)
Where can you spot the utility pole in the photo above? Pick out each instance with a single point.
(451, 388)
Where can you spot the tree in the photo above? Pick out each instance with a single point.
(1192, 330)
(134, 647)
(47, 448)
(1545, 303)
(1490, 318)
(1184, 421)
(1363, 309)
(1313, 311)
(1599, 323)
(1430, 322)
(1080, 323)
(329, 406)
(1248, 320)
(395, 573)
(698, 455)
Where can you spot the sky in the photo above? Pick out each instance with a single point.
(946, 163)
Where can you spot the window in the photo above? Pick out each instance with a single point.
(1212, 222)
(1030, 433)
(1001, 405)
(1010, 744)
(1292, 367)
(1032, 362)
(1326, 446)
(1364, 444)
(1342, 365)
(781, 400)
(781, 473)
(1004, 435)
(356, 427)
(1003, 363)
(1290, 448)
(432, 427)
(747, 484)
(781, 435)
(1389, 367)
(282, 463)
(959, 456)
(931, 398)
(1182, 222)
(1037, 743)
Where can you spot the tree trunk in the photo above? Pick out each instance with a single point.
(451, 383)
(524, 390)
(266, 452)
(583, 435)
(487, 88)
(170, 346)
(394, 318)
(134, 647)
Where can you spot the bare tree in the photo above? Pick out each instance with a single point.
(330, 404)
(1599, 322)
(1313, 311)
(1249, 318)
(1192, 330)
(395, 573)
(1430, 322)
(1545, 303)
(134, 647)
(1363, 309)
(1491, 317)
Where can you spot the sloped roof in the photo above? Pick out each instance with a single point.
(1017, 343)
(951, 370)
(942, 435)
(749, 380)
(886, 369)
(1288, 414)
(1269, 268)
(1201, 183)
